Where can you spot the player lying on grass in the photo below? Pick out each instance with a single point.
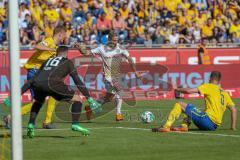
(49, 81)
(112, 56)
(216, 102)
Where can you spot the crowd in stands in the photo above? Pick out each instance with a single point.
(144, 22)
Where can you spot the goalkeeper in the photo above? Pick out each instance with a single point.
(49, 81)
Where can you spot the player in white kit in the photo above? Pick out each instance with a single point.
(112, 56)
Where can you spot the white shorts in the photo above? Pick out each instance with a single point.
(113, 88)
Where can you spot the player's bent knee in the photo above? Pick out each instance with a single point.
(182, 104)
(76, 98)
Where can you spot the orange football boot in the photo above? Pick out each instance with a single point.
(119, 117)
(179, 129)
(161, 129)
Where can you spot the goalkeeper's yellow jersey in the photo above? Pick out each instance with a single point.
(38, 57)
(216, 101)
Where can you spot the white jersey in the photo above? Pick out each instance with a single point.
(112, 60)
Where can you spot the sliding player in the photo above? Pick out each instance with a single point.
(45, 50)
(49, 81)
(111, 55)
(216, 101)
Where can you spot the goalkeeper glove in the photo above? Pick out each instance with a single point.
(94, 105)
(7, 102)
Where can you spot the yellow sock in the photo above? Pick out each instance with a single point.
(26, 108)
(174, 114)
(50, 108)
(186, 121)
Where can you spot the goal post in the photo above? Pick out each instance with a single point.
(14, 56)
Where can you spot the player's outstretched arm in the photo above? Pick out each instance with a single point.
(187, 90)
(82, 49)
(233, 110)
(80, 85)
(133, 66)
(94, 105)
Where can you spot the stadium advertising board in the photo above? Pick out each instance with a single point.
(159, 56)
(217, 56)
(154, 83)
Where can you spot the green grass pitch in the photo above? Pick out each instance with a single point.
(128, 140)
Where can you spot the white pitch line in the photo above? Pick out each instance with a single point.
(212, 134)
(142, 129)
(66, 129)
(58, 129)
(128, 128)
(197, 133)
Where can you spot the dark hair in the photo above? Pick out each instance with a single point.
(59, 29)
(111, 34)
(61, 50)
(215, 75)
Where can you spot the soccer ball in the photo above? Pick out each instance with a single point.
(147, 117)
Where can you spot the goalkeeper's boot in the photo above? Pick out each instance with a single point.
(78, 128)
(88, 112)
(179, 129)
(30, 130)
(119, 117)
(161, 129)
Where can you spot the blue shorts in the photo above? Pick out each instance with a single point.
(200, 118)
(30, 74)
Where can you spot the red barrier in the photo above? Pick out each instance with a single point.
(160, 56)
(217, 56)
(192, 76)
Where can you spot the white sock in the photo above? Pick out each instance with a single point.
(118, 104)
